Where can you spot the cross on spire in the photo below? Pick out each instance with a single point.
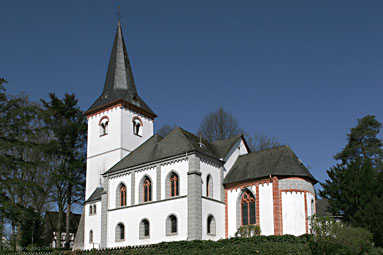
(118, 13)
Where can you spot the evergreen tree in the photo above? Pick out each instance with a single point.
(355, 186)
(363, 142)
(67, 148)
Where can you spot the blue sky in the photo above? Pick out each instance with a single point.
(302, 71)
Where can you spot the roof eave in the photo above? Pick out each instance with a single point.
(124, 103)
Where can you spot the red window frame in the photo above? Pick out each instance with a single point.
(173, 185)
(122, 195)
(247, 198)
(147, 190)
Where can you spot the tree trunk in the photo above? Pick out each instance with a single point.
(59, 227)
(1, 230)
(67, 220)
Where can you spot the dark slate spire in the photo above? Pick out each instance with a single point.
(119, 84)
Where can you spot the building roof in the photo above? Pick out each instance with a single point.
(322, 206)
(119, 84)
(279, 161)
(177, 142)
(96, 195)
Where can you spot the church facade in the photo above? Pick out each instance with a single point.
(142, 188)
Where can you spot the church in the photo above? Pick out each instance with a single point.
(142, 188)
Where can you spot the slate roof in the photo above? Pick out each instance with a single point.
(119, 84)
(96, 195)
(222, 147)
(177, 142)
(322, 208)
(279, 161)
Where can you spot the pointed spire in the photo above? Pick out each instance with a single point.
(119, 82)
(119, 75)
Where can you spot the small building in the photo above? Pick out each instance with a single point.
(51, 219)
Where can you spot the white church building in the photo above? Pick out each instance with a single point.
(142, 188)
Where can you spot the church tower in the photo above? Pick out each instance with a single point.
(118, 121)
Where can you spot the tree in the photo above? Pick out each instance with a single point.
(21, 160)
(165, 130)
(68, 153)
(262, 142)
(354, 188)
(219, 125)
(363, 142)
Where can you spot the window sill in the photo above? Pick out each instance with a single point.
(210, 234)
(144, 237)
(103, 134)
(119, 241)
(172, 234)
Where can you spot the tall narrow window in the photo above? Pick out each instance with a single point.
(248, 214)
(137, 126)
(90, 210)
(104, 122)
(120, 232)
(209, 186)
(147, 190)
(122, 195)
(211, 225)
(174, 224)
(171, 225)
(91, 236)
(144, 229)
(94, 209)
(174, 183)
(312, 207)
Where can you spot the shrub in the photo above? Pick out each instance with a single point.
(248, 231)
(331, 237)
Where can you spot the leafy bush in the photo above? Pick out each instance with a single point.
(248, 231)
(331, 237)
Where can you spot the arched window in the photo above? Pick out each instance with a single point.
(171, 225)
(210, 225)
(209, 186)
(147, 190)
(312, 207)
(248, 214)
(144, 229)
(174, 185)
(94, 209)
(91, 236)
(104, 122)
(137, 126)
(120, 232)
(90, 210)
(122, 195)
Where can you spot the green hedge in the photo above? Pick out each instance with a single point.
(265, 245)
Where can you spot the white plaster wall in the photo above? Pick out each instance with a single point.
(293, 213)
(156, 213)
(218, 211)
(96, 166)
(310, 212)
(128, 139)
(232, 196)
(114, 184)
(238, 149)
(92, 222)
(181, 168)
(214, 171)
(152, 173)
(266, 209)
